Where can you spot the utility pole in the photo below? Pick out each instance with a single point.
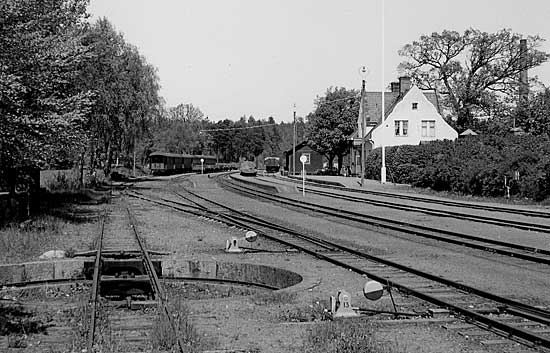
(294, 142)
(134, 167)
(362, 134)
(363, 71)
(382, 89)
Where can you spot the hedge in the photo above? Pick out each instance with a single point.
(473, 165)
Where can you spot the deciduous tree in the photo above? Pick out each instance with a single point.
(42, 109)
(332, 122)
(536, 119)
(471, 69)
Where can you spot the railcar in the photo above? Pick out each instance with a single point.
(248, 168)
(207, 165)
(163, 163)
(272, 164)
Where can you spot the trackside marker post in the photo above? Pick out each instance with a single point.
(303, 159)
(340, 307)
(202, 165)
(232, 245)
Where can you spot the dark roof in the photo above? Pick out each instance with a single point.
(167, 154)
(298, 146)
(374, 103)
(205, 156)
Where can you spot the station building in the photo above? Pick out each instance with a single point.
(412, 116)
(314, 160)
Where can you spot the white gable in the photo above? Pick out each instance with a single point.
(420, 122)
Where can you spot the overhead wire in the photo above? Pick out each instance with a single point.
(264, 125)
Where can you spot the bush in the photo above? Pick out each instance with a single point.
(475, 166)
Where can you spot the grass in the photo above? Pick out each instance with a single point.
(346, 336)
(14, 320)
(163, 338)
(274, 298)
(20, 242)
(316, 311)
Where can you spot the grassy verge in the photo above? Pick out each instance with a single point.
(163, 338)
(27, 240)
(346, 336)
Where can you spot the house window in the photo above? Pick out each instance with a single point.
(428, 128)
(415, 106)
(401, 128)
(308, 161)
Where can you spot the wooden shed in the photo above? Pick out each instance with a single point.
(314, 161)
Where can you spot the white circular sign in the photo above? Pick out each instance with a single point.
(303, 159)
(251, 236)
(373, 290)
(202, 160)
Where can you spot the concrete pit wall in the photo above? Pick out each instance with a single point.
(273, 277)
(267, 276)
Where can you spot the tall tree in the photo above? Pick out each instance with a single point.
(42, 110)
(332, 122)
(125, 91)
(180, 131)
(470, 69)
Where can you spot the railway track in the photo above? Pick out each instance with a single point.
(487, 314)
(127, 300)
(459, 204)
(518, 251)
(529, 226)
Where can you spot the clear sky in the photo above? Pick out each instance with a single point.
(258, 57)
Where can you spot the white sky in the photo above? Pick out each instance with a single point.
(258, 57)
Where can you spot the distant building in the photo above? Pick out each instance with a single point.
(314, 159)
(412, 116)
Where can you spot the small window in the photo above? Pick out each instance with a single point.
(401, 127)
(428, 128)
(415, 106)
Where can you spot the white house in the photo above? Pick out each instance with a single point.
(412, 120)
(412, 116)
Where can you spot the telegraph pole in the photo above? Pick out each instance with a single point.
(382, 89)
(362, 134)
(294, 142)
(363, 71)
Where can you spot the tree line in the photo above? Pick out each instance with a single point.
(72, 92)
(185, 130)
(76, 93)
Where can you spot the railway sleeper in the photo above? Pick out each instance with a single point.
(138, 287)
(121, 267)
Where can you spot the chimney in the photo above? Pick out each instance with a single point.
(523, 79)
(395, 87)
(404, 84)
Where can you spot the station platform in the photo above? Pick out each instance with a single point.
(355, 183)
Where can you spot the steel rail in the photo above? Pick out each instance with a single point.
(517, 308)
(220, 217)
(534, 254)
(261, 222)
(531, 213)
(155, 282)
(543, 228)
(95, 286)
(441, 280)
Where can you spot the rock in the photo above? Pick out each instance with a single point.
(53, 254)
